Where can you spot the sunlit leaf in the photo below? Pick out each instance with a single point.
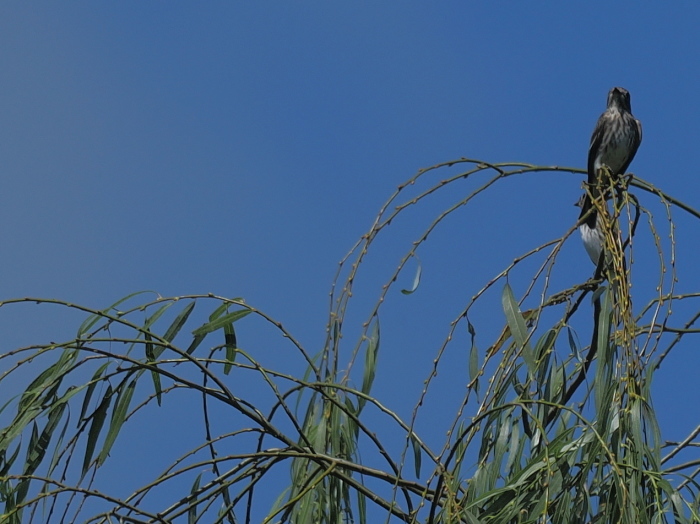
(517, 326)
(416, 279)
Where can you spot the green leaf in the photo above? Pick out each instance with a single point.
(362, 507)
(573, 345)
(37, 450)
(7, 463)
(121, 408)
(231, 347)
(57, 447)
(555, 383)
(179, 322)
(471, 519)
(196, 341)
(23, 484)
(502, 441)
(370, 363)
(93, 319)
(46, 378)
(155, 376)
(416, 279)
(91, 388)
(517, 326)
(416, 454)
(192, 511)
(514, 448)
(604, 326)
(221, 322)
(223, 308)
(543, 350)
(19, 424)
(157, 314)
(98, 419)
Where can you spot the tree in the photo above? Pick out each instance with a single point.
(548, 428)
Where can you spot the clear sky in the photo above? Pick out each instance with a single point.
(241, 148)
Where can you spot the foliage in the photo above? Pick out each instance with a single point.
(548, 429)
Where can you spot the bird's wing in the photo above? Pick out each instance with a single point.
(635, 140)
(593, 150)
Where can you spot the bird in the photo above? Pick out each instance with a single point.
(592, 236)
(614, 143)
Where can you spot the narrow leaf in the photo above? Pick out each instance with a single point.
(231, 347)
(118, 416)
(93, 319)
(57, 447)
(7, 463)
(179, 322)
(473, 363)
(196, 341)
(98, 419)
(91, 388)
(221, 322)
(370, 362)
(36, 452)
(416, 455)
(157, 314)
(192, 512)
(517, 326)
(416, 279)
(155, 376)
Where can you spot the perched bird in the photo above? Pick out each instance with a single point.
(614, 143)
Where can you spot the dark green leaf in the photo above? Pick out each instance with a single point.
(37, 450)
(98, 419)
(192, 511)
(221, 322)
(91, 388)
(231, 347)
(416, 454)
(362, 507)
(179, 322)
(196, 341)
(46, 379)
(155, 376)
(119, 413)
(156, 315)
(57, 447)
(93, 319)
(7, 463)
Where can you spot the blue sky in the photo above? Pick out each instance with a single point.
(241, 148)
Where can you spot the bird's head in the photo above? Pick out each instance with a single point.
(619, 98)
